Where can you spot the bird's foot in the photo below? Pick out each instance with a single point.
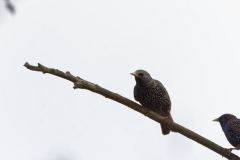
(168, 118)
(230, 149)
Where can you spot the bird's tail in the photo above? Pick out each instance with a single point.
(165, 130)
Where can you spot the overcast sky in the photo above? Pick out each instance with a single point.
(192, 47)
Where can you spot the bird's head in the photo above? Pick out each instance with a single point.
(225, 118)
(142, 77)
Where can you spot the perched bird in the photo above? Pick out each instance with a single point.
(231, 127)
(151, 94)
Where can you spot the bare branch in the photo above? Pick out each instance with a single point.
(83, 84)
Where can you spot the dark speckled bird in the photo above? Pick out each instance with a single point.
(151, 94)
(231, 127)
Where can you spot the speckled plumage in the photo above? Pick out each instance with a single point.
(231, 127)
(151, 94)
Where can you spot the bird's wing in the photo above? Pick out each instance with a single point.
(163, 94)
(162, 90)
(235, 125)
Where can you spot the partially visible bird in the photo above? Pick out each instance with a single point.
(151, 94)
(231, 127)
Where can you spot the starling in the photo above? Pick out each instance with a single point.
(152, 95)
(231, 127)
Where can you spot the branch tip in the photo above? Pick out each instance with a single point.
(26, 64)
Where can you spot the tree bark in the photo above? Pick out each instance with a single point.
(80, 83)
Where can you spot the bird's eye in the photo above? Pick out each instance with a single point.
(140, 74)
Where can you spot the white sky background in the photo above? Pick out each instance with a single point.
(192, 47)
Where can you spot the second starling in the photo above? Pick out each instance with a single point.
(231, 127)
(151, 94)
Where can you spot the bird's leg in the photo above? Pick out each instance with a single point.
(237, 148)
(168, 118)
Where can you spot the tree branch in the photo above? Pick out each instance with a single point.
(83, 84)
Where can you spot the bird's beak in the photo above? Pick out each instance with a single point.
(134, 74)
(216, 120)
